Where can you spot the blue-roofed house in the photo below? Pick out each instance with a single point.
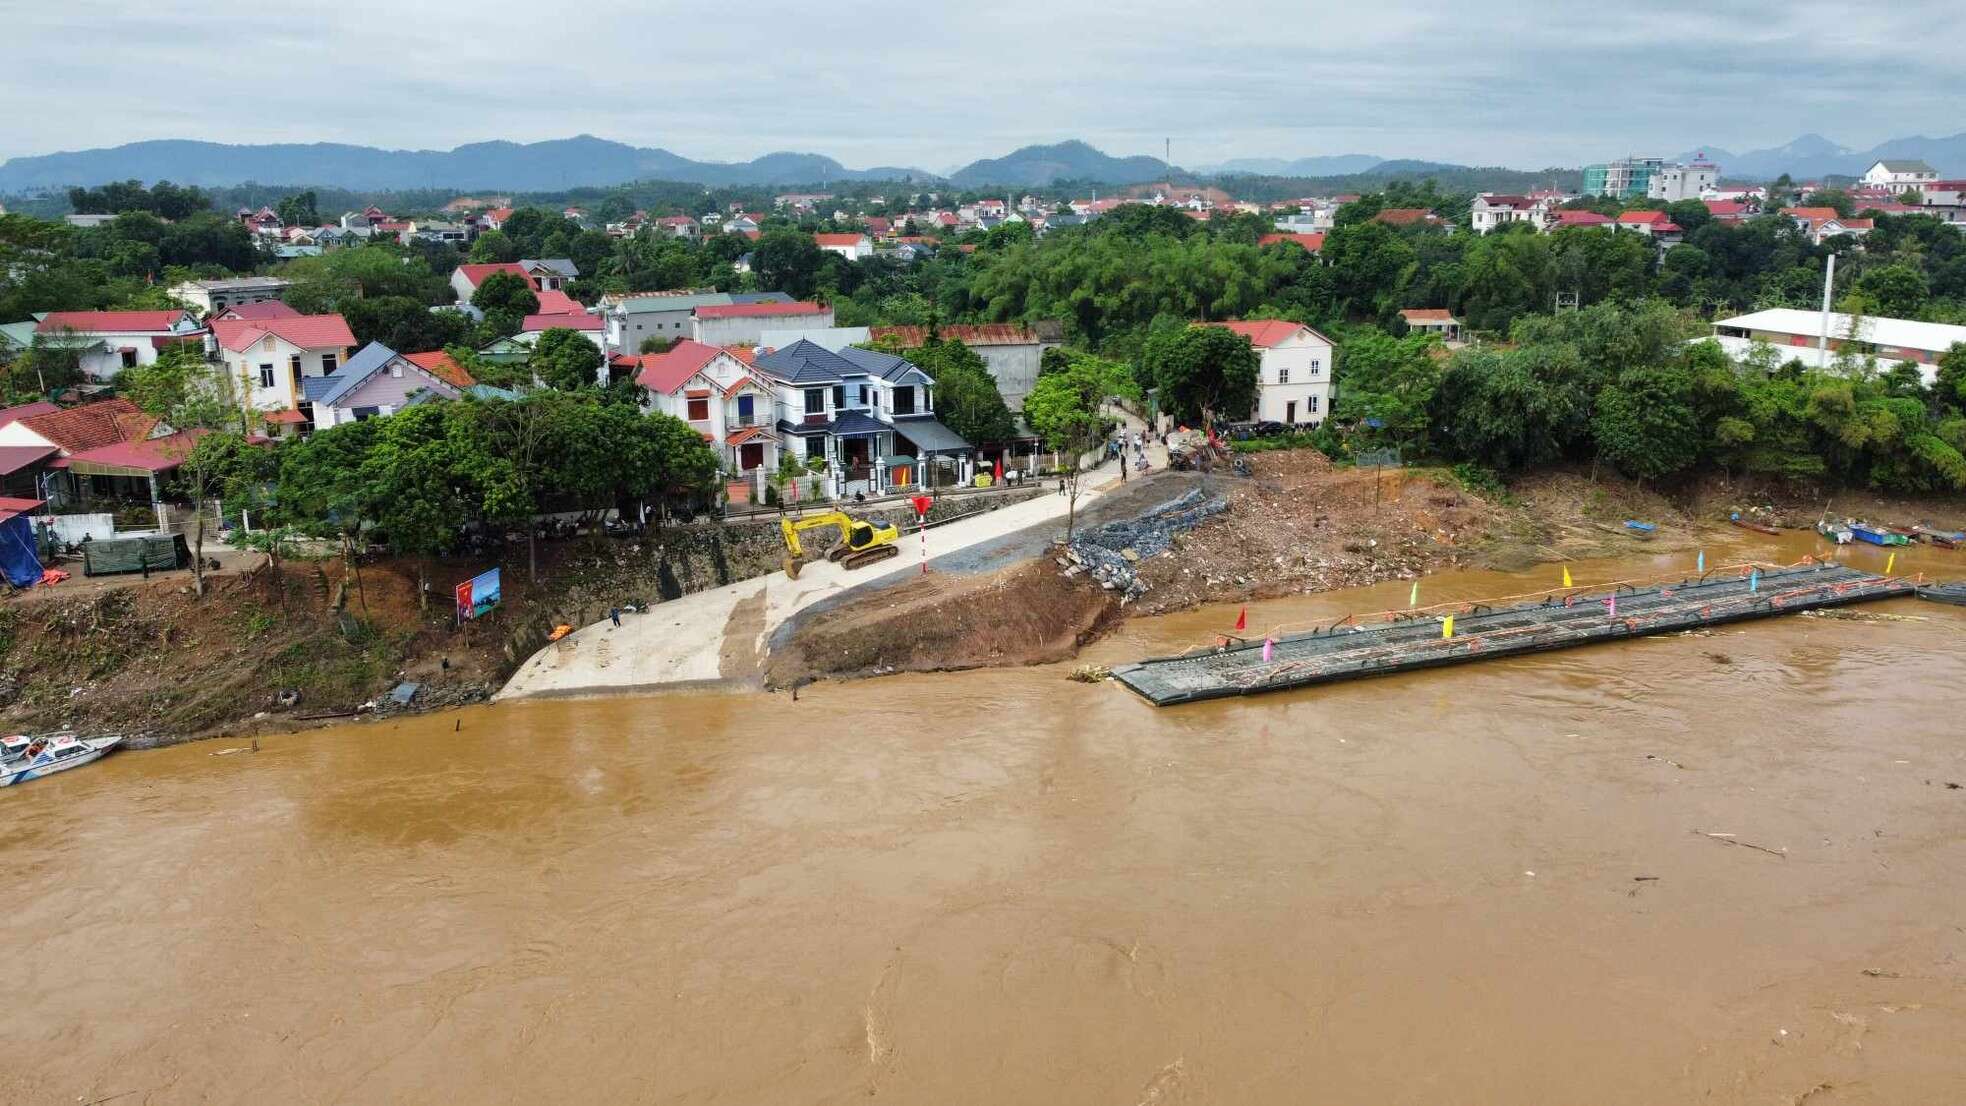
(870, 415)
(376, 381)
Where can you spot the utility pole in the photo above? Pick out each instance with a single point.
(1822, 340)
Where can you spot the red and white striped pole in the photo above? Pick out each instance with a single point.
(922, 504)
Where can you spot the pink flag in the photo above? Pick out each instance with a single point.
(1267, 643)
(1613, 604)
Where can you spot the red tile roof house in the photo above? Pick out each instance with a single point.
(713, 390)
(1560, 220)
(852, 246)
(267, 359)
(466, 279)
(1293, 382)
(1312, 243)
(92, 441)
(1408, 217)
(1656, 225)
(112, 341)
(592, 327)
(744, 324)
(678, 226)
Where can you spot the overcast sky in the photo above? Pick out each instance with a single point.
(1527, 83)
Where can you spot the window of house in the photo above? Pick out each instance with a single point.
(293, 364)
(1313, 404)
(815, 447)
(1283, 376)
(839, 396)
(746, 409)
(904, 400)
(329, 362)
(815, 401)
(699, 410)
(863, 395)
(266, 374)
(129, 359)
(361, 413)
(396, 371)
(1315, 366)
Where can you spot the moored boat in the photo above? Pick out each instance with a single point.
(1953, 593)
(47, 754)
(1750, 524)
(1836, 532)
(1877, 535)
(1950, 539)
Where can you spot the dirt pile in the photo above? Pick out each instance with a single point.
(1300, 524)
(1027, 614)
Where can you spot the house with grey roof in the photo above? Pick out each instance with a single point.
(869, 415)
(376, 381)
(549, 274)
(1896, 173)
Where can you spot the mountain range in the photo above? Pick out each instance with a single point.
(586, 161)
(511, 166)
(1812, 155)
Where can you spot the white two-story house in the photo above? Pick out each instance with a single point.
(267, 359)
(715, 392)
(1293, 381)
(869, 415)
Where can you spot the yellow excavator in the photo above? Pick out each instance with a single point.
(861, 542)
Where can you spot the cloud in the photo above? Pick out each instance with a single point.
(1519, 82)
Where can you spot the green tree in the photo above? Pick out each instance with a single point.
(566, 359)
(506, 299)
(966, 396)
(403, 324)
(1645, 422)
(197, 401)
(1896, 291)
(1203, 373)
(299, 210)
(493, 246)
(1066, 409)
(787, 260)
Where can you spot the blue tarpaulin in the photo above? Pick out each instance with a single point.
(17, 559)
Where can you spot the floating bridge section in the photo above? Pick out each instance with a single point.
(1421, 639)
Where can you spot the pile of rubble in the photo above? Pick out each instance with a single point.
(1109, 554)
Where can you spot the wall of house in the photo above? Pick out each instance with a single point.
(746, 330)
(1015, 369)
(387, 391)
(1308, 365)
(626, 330)
(244, 370)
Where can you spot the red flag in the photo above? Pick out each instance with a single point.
(999, 472)
(921, 504)
(1242, 619)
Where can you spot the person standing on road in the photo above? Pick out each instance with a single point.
(614, 615)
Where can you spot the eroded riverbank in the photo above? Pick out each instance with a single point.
(1490, 885)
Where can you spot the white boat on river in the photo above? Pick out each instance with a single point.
(29, 757)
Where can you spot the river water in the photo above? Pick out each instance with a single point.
(1483, 885)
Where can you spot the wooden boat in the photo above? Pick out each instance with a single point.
(1836, 532)
(1950, 539)
(1749, 524)
(1877, 535)
(46, 755)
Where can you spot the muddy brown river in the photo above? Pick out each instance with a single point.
(1492, 884)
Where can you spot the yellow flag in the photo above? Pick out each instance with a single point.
(1447, 626)
(1890, 561)
(1566, 576)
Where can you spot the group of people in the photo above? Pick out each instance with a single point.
(1122, 442)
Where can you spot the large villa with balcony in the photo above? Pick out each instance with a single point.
(716, 393)
(869, 415)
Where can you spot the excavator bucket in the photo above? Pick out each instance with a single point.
(792, 567)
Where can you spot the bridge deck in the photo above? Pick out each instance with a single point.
(1483, 633)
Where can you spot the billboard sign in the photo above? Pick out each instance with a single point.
(477, 596)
